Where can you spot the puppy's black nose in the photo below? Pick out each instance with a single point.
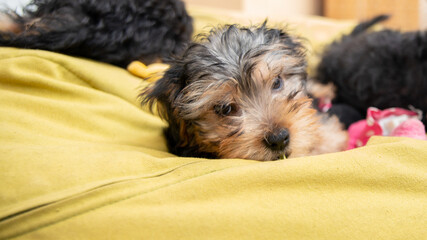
(277, 140)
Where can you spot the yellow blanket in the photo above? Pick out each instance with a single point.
(79, 159)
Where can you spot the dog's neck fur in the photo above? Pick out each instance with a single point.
(176, 146)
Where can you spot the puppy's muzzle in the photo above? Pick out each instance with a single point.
(277, 140)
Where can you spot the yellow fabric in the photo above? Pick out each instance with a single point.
(79, 159)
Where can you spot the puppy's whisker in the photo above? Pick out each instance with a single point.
(293, 94)
(232, 133)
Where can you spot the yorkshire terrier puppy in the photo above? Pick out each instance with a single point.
(240, 93)
(111, 31)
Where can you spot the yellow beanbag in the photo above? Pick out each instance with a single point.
(80, 159)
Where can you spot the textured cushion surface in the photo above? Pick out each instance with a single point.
(80, 159)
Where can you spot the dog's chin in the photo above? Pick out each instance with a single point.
(261, 154)
(272, 155)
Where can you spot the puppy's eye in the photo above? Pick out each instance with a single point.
(225, 109)
(278, 83)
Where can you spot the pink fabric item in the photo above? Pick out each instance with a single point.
(413, 128)
(389, 122)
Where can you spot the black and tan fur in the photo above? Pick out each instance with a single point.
(240, 93)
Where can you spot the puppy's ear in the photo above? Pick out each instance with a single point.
(164, 92)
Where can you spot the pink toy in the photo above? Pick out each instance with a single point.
(389, 122)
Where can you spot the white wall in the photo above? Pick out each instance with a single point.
(13, 4)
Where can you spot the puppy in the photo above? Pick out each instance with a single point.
(380, 69)
(111, 31)
(240, 93)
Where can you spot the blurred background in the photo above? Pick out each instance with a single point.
(13, 4)
(406, 14)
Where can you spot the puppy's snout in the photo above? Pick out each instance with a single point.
(277, 140)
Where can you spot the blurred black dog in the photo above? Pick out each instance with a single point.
(112, 31)
(382, 69)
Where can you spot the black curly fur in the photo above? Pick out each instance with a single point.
(382, 69)
(112, 31)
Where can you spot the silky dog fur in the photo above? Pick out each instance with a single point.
(239, 92)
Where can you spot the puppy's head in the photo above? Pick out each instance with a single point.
(238, 93)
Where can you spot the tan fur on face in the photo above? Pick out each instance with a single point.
(242, 136)
(309, 136)
(296, 115)
(237, 89)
